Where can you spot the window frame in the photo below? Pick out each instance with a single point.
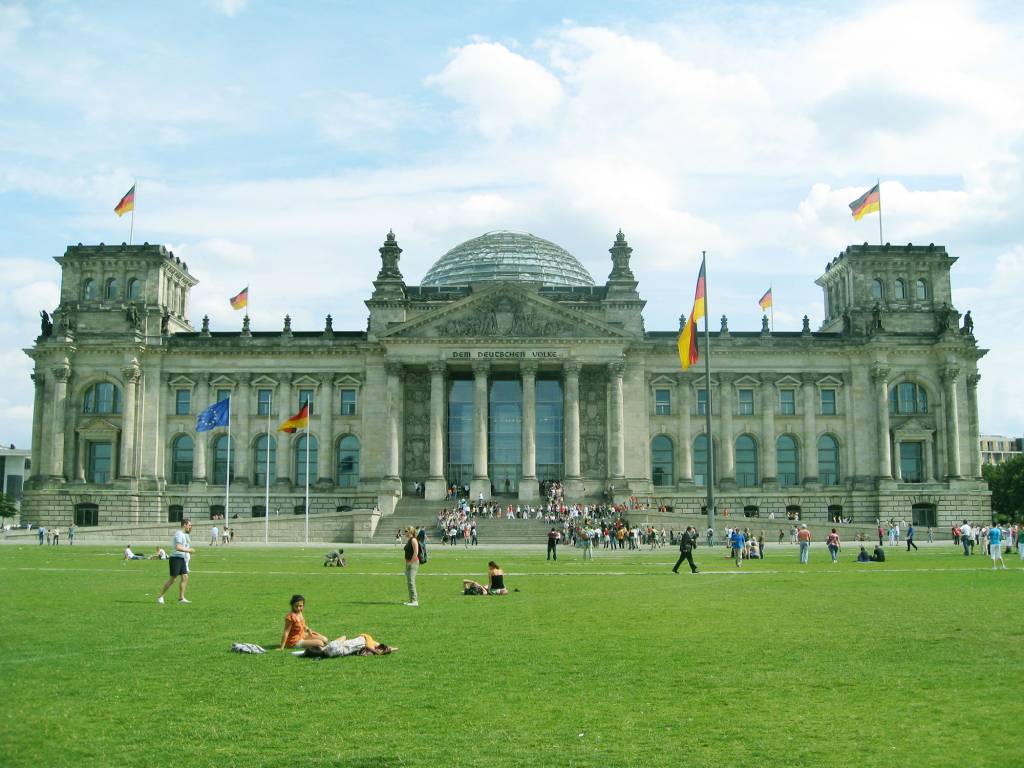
(91, 459)
(307, 395)
(791, 411)
(823, 402)
(662, 401)
(179, 401)
(659, 477)
(264, 407)
(351, 454)
(745, 402)
(352, 403)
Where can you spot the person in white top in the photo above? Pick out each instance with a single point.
(965, 536)
(213, 536)
(179, 560)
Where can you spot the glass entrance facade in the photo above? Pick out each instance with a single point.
(460, 431)
(550, 444)
(505, 435)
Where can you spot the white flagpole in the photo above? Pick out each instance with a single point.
(135, 196)
(770, 306)
(227, 471)
(307, 475)
(881, 240)
(266, 490)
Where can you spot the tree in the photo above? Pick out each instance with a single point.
(1006, 482)
(8, 507)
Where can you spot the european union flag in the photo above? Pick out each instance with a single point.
(214, 416)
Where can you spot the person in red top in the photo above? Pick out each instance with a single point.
(296, 633)
(833, 545)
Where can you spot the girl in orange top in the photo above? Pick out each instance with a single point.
(296, 633)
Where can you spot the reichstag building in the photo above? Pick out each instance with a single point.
(507, 366)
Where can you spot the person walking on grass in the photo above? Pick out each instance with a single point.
(995, 546)
(804, 539)
(965, 537)
(737, 540)
(181, 551)
(833, 544)
(910, 538)
(687, 543)
(552, 544)
(72, 530)
(412, 565)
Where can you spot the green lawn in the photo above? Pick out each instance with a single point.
(616, 662)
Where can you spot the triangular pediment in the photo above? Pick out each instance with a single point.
(663, 380)
(913, 428)
(787, 382)
(746, 382)
(830, 381)
(263, 381)
(348, 382)
(506, 312)
(181, 382)
(98, 427)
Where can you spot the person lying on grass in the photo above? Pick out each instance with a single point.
(495, 582)
(360, 645)
(296, 633)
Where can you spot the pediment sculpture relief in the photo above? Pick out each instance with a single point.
(506, 317)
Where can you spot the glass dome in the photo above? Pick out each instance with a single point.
(508, 257)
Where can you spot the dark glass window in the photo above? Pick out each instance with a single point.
(460, 431)
(264, 450)
(175, 513)
(908, 397)
(787, 458)
(134, 288)
(99, 462)
(702, 402)
(505, 434)
(348, 462)
(922, 290)
(662, 461)
(223, 394)
(182, 402)
(876, 290)
(306, 396)
(828, 460)
(181, 460)
(787, 402)
(112, 289)
(746, 461)
(264, 401)
(912, 462)
(87, 515)
(746, 402)
(550, 443)
(828, 402)
(662, 402)
(301, 459)
(89, 290)
(901, 289)
(223, 460)
(103, 397)
(348, 402)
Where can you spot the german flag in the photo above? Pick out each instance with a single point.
(688, 354)
(241, 300)
(127, 203)
(765, 301)
(299, 421)
(869, 202)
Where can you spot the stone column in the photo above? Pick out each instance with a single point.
(436, 483)
(132, 374)
(898, 464)
(61, 375)
(283, 449)
(528, 488)
(199, 454)
(80, 459)
(241, 409)
(726, 439)
(928, 471)
(395, 372)
(571, 426)
(949, 377)
(684, 441)
(481, 482)
(39, 380)
(810, 437)
(972, 404)
(325, 444)
(769, 457)
(616, 428)
(880, 378)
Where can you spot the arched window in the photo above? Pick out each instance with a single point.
(828, 460)
(111, 291)
(662, 461)
(348, 462)
(223, 460)
(102, 397)
(787, 458)
(922, 290)
(700, 460)
(181, 460)
(901, 289)
(876, 289)
(301, 459)
(908, 397)
(264, 450)
(134, 288)
(89, 290)
(746, 461)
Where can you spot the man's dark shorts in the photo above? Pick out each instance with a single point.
(178, 566)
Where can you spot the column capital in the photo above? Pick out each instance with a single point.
(481, 368)
(879, 373)
(572, 367)
(973, 379)
(132, 373)
(726, 378)
(326, 380)
(284, 378)
(39, 378)
(62, 373)
(528, 368)
(395, 369)
(808, 379)
(438, 366)
(242, 378)
(950, 373)
(202, 378)
(616, 369)
(768, 379)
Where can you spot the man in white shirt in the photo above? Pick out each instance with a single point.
(965, 536)
(213, 536)
(181, 550)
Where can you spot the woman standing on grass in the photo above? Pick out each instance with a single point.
(412, 564)
(833, 545)
(296, 633)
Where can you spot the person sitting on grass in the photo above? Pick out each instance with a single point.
(878, 556)
(296, 633)
(160, 554)
(129, 555)
(863, 556)
(335, 558)
(495, 582)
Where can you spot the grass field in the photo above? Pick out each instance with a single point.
(914, 662)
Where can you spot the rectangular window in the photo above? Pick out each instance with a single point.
(702, 402)
(662, 402)
(306, 396)
(746, 402)
(223, 394)
(348, 402)
(100, 462)
(787, 402)
(912, 462)
(264, 400)
(182, 402)
(828, 402)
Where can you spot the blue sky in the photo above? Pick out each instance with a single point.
(276, 144)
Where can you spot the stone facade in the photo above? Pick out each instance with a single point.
(874, 414)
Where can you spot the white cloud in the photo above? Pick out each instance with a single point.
(230, 7)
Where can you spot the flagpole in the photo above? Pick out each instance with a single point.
(770, 306)
(307, 475)
(131, 227)
(266, 490)
(710, 474)
(227, 471)
(878, 183)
